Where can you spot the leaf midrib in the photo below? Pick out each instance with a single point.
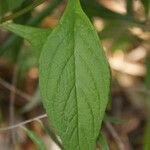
(75, 75)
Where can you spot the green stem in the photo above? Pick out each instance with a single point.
(23, 11)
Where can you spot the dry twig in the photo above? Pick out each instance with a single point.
(12, 88)
(11, 106)
(115, 136)
(23, 123)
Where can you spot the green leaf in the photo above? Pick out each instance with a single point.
(147, 135)
(129, 7)
(36, 139)
(147, 84)
(119, 34)
(35, 36)
(33, 103)
(51, 134)
(8, 5)
(28, 58)
(147, 76)
(74, 80)
(94, 8)
(113, 120)
(146, 4)
(32, 21)
(103, 143)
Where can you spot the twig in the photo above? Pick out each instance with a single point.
(23, 123)
(115, 135)
(11, 105)
(18, 92)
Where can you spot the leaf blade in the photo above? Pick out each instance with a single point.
(146, 4)
(36, 139)
(68, 80)
(8, 5)
(36, 36)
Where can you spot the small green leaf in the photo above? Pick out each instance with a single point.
(146, 4)
(147, 76)
(147, 84)
(28, 58)
(51, 134)
(147, 136)
(8, 5)
(103, 143)
(36, 139)
(33, 103)
(113, 120)
(94, 8)
(74, 80)
(129, 7)
(35, 36)
(122, 39)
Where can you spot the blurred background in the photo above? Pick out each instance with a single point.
(124, 29)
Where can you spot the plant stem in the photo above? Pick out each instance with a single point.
(23, 11)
